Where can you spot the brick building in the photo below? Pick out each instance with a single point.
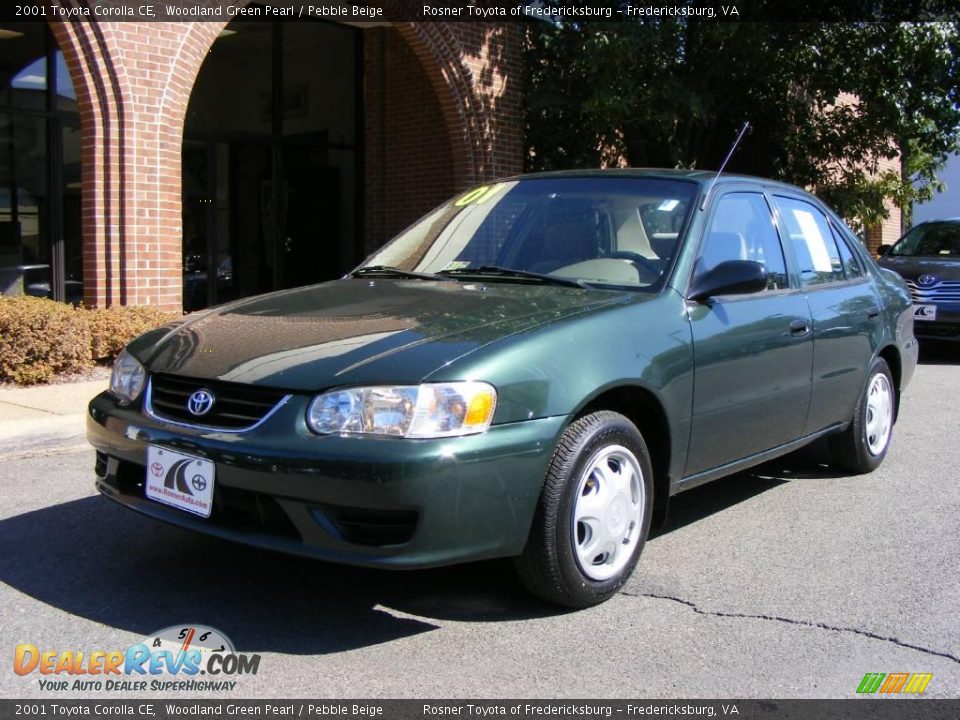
(190, 163)
(185, 164)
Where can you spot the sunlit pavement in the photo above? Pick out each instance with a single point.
(788, 581)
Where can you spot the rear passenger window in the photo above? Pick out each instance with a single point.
(809, 233)
(742, 229)
(851, 266)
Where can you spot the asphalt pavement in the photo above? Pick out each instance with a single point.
(792, 580)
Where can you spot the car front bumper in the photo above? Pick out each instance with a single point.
(945, 327)
(376, 502)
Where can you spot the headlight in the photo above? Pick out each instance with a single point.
(128, 378)
(414, 411)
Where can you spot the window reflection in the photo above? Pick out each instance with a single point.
(40, 216)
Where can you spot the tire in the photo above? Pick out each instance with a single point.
(864, 444)
(594, 513)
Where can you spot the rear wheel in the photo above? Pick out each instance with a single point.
(863, 445)
(594, 513)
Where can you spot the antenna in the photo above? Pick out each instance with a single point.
(743, 131)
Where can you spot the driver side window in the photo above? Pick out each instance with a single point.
(742, 229)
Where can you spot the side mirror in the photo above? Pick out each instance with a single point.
(731, 277)
(884, 250)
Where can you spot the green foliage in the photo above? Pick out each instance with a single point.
(827, 102)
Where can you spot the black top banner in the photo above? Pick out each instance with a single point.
(548, 11)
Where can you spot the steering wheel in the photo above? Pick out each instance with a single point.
(640, 262)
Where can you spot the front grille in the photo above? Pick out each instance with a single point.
(235, 406)
(942, 291)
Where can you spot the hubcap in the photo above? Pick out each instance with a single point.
(879, 413)
(608, 512)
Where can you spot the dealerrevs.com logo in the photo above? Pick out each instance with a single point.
(178, 658)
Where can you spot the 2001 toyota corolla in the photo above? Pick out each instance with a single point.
(529, 371)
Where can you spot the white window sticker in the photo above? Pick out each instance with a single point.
(816, 243)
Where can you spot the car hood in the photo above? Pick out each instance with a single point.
(355, 331)
(913, 267)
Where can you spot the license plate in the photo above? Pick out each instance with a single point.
(182, 481)
(924, 312)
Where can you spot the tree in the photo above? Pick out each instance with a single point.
(827, 102)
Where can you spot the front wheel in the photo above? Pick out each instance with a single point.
(594, 513)
(863, 445)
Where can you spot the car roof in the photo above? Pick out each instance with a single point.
(702, 177)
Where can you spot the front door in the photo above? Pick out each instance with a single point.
(753, 353)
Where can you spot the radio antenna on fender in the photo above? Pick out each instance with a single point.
(743, 131)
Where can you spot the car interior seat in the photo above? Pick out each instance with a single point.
(568, 240)
(722, 246)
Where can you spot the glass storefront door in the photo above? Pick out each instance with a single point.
(40, 217)
(270, 165)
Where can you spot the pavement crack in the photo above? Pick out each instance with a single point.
(802, 623)
(28, 407)
(42, 452)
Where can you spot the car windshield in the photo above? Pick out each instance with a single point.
(611, 232)
(934, 239)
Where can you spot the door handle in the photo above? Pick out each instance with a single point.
(873, 312)
(799, 328)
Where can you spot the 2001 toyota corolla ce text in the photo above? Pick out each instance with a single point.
(531, 370)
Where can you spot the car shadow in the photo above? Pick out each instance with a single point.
(808, 463)
(95, 560)
(939, 353)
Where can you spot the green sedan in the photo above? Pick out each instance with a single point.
(531, 371)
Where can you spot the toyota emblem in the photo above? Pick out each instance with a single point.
(926, 280)
(200, 402)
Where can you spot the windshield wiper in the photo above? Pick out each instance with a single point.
(390, 271)
(497, 271)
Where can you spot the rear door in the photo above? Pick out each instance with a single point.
(843, 306)
(753, 353)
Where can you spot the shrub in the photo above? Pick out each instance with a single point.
(41, 338)
(112, 328)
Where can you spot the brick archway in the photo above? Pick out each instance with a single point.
(133, 83)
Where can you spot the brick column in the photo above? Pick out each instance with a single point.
(133, 83)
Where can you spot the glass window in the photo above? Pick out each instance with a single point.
(233, 90)
(23, 66)
(40, 217)
(851, 265)
(271, 171)
(742, 229)
(931, 239)
(809, 233)
(585, 229)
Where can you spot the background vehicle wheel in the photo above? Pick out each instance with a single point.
(863, 445)
(594, 513)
